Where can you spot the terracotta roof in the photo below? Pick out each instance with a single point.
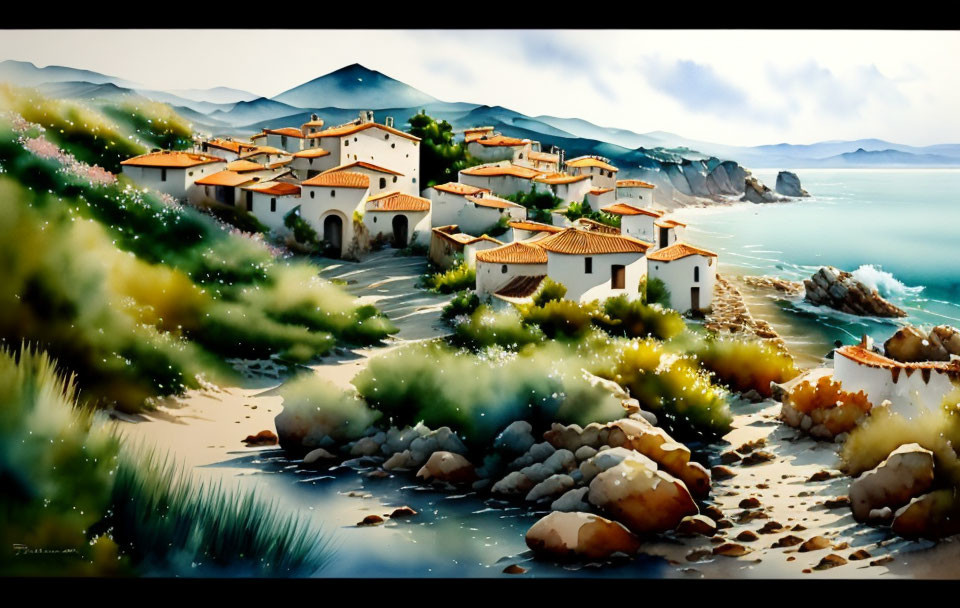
(275, 188)
(501, 141)
(311, 153)
(232, 146)
(397, 201)
(227, 178)
(280, 163)
(560, 178)
(458, 188)
(633, 183)
(535, 226)
(171, 159)
(477, 129)
(520, 288)
(582, 242)
(669, 224)
(475, 133)
(288, 131)
(363, 165)
(498, 170)
(514, 253)
(462, 238)
(677, 251)
(867, 357)
(599, 191)
(625, 209)
(546, 156)
(595, 226)
(339, 179)
(263, 150)
(494, 202)
(591, 161)
(241, 166)
(314, 123)
(350, 129)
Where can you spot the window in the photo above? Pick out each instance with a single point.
(249, 201)
(346, 142)
(313, 194)
(696, 274)
(394, 146)
(588, 265)
(394, 179)
(163, 175)
(190, 173)
(386, 136)
(414, 180)
(283, 141)
(618, 276)
(273, 204)
(383, 183)
(333, 194)
(503, 269)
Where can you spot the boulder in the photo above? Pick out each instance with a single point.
(559, 462)
(400, 461)
(513, 484)
(264, 437)
(934, 515)
(517, 438)
(585, 453)
(318, 455)
(538, 452)
(572, 500)
(563, 536)
(641, 497)
(693, 525)
(913, 344)
(838, 289)
(653, 442)
(606, 459)
(443, 439)
(551, 486)
(366, 446)
(755, 192)
(949, 338)
(448, 467)
(788, 184)
(906, 473)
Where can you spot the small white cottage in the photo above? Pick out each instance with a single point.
(503, 179)
(602, 173)
(635, 192)
(171, 171)
(689, 274)
(498, 266)
(399, 216)
(635, 222)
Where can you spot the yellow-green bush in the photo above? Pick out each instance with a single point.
(744, 363)
(561, 319)
(634, 319)
(485, 327)
(458, 278)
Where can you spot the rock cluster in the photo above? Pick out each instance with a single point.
(838, 289)
(755, 192)
(788, 184)
(913, 344)
(791, 288)
(729, 314)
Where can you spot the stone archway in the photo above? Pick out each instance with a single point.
(400, 229)
(333, 235)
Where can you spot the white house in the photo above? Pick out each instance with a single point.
(668, 232)
(311, 162)
(483, 211)
(601, 172)
(226, 149)
(635, 192)
(225, 186)
(446, 242)
(635, 222)
(912, 388)
(381, 179)
(495, 148)
(498, 266)
(689, 274)
(503, 179)
(541, 161)
(284, 138)
(601, 197)
(593, 265)
(526, 230)
(568, 188)
(169, 171)
(331, 202)
(378, 144)
(449, 199)
(399, 216)
(475, 133)
(271, 201)
(267, 156)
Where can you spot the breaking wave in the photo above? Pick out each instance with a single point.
(884, 282)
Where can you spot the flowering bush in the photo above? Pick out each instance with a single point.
(829, 405)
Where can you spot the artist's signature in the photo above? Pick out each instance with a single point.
(19, 549)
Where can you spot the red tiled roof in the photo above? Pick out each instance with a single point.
(534, 226)
(591, 161)
(494, 202)
(171, 159)
(241, 166)
(633, 183)
(397, 201)
(500, 170)
(458, 188)
(677, 251)
(514, 253)
(311, 153)
(226, 178)
(288, 131)
(275, 188)
(625, 209)
(520, 288)
(582, 242)
(339, 179)
(363, 165)
(350, 129)
(501, 141)
(560, 178)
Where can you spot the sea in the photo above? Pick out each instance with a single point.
(897, 230)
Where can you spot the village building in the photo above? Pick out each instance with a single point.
(381, 178)
(635, 192)
(448, 244)
(171, 172)
(449, 199)
(636, 222)
(476, 133)
(548, 162)
(495, 148)
(271, 201)
(601, 197)
(364, 140)
(398, 217)
(499, 266)
(289, 139)
(568, 188)
(311, 162)
(601, 172)
(226, 149)
(527, 230)
(689, 274)
(331, 203)
(312, 126)
(912, 388)
(585, 223)
(268, 156)
(503, 178)
(594, 265)
(668, 232)
(225, 187)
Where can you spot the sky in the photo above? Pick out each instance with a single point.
(733, 87)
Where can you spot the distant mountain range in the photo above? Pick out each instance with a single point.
(338, 96)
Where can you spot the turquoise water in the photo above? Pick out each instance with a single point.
(897, 230)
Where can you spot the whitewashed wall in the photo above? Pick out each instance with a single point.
(491, 277)
(569, 270)
(908, 396)
(677, 276)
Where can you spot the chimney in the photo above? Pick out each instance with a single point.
(314, 117)
(389, 121)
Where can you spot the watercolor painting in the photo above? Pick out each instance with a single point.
(657, 307)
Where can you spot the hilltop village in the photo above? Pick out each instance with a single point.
(358, 185)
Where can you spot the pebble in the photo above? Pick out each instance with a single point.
(371, 520)
(720, 472)
(838, 502)
(402, 512)
(831, 561)
(731, 550)
(788, 541)
(514, 569)
(700, 554)
(757, 458)
(860, 554)
(815, 544)
(747, 536)
(749, 503)
(771, 527)
(886, 559)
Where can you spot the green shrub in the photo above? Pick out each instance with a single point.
(478, 395)
(655, 291)
(463, 303)
(488, 328)
(550, 291)
(303, 232)
(561, 319)
(634, 319)
(314, 403)
(535, 199)
(235, 216)
(745, 363)
(458, 278)
(441, 158)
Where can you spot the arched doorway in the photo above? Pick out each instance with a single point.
(333, 235)
(400, 225)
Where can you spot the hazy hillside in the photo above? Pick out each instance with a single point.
(355, 86)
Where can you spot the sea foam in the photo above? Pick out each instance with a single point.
(884, 282)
